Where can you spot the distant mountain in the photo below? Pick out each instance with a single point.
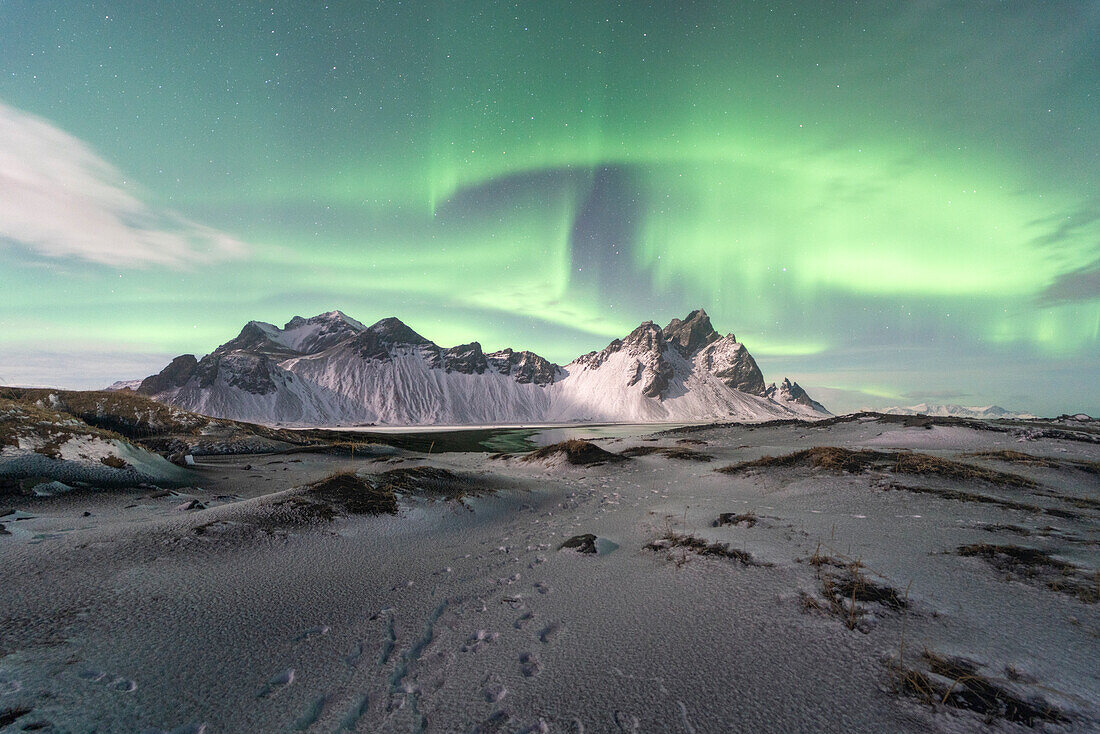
(124, 385)
(332, 370)
(958, 411)
(793, 396)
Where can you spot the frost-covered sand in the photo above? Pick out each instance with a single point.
(464, 615)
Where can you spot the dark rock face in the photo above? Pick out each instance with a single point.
(524, 367)
(792, 392)
(378, 341)
(691, 334)
(394, 331)
(371, 346)
(594, 359)
(251, 373)
(653, 375)
(329, 329)
(252, 337)
(467, 359)
(646, 338)
(177, 373)
(739, 370)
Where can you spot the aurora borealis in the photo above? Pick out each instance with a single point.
(891, 202)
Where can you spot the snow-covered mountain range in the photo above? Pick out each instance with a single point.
(332, 370)
(957, 411)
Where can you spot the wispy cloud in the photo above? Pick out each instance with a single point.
(59, 199)
(1082, 284)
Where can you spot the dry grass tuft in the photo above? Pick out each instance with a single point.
(431, 482)
(114, 462)
(576, 451)
(1034, 566)
(349, 492)
(847, 590)
(749, 519)
(954, 494)
(701, 547)
(838, 460)
(672, 452)
(957, 683)
(1044, 462)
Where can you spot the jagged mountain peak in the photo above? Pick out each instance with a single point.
(329, 317)
(791, 393)
(646, 337)
(691, 334)
(258, 335)
(393, 330)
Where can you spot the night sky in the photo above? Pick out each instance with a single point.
(891, 202)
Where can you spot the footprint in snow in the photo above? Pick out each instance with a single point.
(523, 619)
(494, 692)
(627, 723)
(479, 639)
(123, 685)
(276, 683)
(542, 587)
(310, 715)
(549, 632)
(351, 719)
(529, 665)
(355, 655)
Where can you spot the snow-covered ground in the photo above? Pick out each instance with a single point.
(457, 616)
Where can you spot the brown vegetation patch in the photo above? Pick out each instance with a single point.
(52, 447)
(954, 494)
(429, 481)
(837, 460)
(748, 519)
(1038, 567)
(354, 495)
(847, 591)
(672, 452)
(1044, 462)
(957, 683)
(124, 412)
(701, 547)
(576, 451)
(114, 462)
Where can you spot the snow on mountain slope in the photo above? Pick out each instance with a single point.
(791, 395)
(958, 411)
(124, 385)
(680, 373)
(333, 370)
